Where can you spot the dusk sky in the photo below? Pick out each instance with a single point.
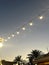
(16, 13)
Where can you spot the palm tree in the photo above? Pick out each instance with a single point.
(30, 57)
(34, 55)
(18, 59)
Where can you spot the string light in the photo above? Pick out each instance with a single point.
(1, 40)
(8, 37)
(1, 45)
(23, 28)
(30, 23)
(5, 40)
(17, 33)
(13, 35)
(41, 17)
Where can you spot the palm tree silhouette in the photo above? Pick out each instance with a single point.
(34, 55)
(18, 59)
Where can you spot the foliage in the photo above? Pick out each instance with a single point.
(34, 55)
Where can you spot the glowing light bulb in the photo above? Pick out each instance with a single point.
(23, 28)
(1, 45)
(8, 37)
(17, 33)
(1, 40)
(5, 40)
(30, 23)
(41, 17)
(13, 35)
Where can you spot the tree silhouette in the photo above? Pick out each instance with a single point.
(34, 55)
(18, 59)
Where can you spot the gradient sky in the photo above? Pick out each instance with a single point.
(13, 14)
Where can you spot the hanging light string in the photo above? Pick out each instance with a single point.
(23, 26)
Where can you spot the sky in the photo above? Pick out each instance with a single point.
(16, 13)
